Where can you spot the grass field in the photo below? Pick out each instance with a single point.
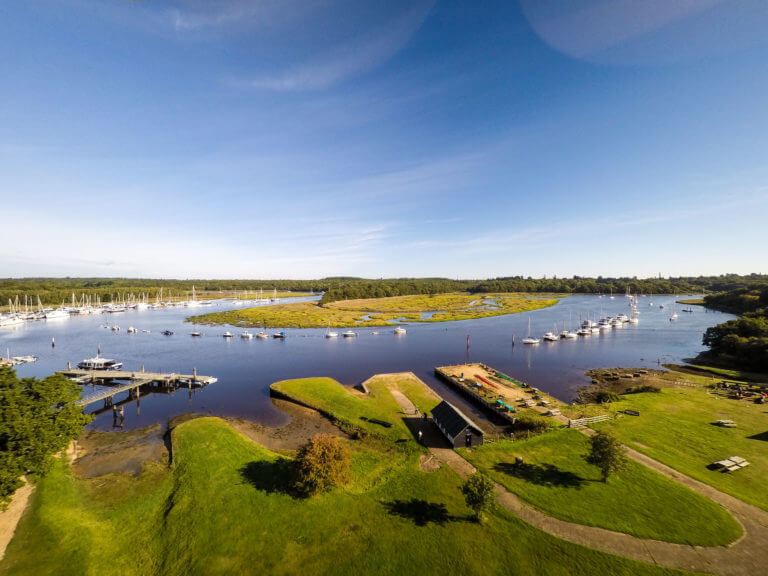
(349, 407)
(555, 479)
(221, 508)
(676, 427)
(377, 311)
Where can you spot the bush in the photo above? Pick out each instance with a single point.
(641, 389)
(605, 396)
(324, 462)
(530, 424)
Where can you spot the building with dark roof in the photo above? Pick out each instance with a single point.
(456, 426)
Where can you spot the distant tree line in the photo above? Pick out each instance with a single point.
(54, 291)
(741, 343)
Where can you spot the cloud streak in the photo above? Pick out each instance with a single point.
(351, 59)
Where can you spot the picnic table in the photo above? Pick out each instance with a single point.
(731, 464)
(726, 423)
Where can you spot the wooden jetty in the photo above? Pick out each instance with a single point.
(117, 381)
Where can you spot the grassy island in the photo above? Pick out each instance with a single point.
(372, 312)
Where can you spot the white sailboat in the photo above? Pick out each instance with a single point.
(329, 333)
(528, 339)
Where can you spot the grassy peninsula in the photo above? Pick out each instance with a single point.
(378, 311)
(220, 506)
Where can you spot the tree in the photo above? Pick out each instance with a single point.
(478, 493)
(38, 418)
(607, 453)
(322, 463)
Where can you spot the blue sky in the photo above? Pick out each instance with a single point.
(263, 139)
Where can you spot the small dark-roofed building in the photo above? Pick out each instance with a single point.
(456, 426)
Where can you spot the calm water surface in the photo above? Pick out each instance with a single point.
(246, 368)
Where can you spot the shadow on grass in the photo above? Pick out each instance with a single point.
(546, 475)
(761, 436)
(271, 477)
(421, 512)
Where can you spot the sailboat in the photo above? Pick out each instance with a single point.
(528, 339)
(329, 333)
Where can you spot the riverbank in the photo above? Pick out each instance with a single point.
(396, 515)
(377, 312)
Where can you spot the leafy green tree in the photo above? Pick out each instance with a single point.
(322, 463)
(478, 494)
(607, 453)
(38, 418)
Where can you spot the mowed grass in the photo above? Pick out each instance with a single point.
(676, 427)
(373, 312)
(221, 508)
(555, 479)
(353, 409)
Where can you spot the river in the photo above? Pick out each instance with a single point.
(246, 368)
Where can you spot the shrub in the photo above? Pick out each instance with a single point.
(532, 424)
(322, 463)
(606, 396)
(641, 389)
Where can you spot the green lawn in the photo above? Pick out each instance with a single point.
(675, 427)
(556, 479)
(349, 407)
(220, 509)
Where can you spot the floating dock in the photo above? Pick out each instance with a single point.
(117, 381)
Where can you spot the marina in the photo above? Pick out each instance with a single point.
(246, 367)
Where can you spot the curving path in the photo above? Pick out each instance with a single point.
(748, 556)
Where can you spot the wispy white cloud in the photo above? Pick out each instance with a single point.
(196, 15)
(585, 29)
(372, 49)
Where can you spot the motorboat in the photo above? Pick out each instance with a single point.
(245, 335)
(550, 337)
(349, 334)
(571, 335)
(564, 334)
(634, 320)
(227, 334)
(399, 330)
(115, 328)
(131, 330)
(167, 332)
(261, 335)
(99, 363)
(584, 332)
(195, 334)
(279, 335)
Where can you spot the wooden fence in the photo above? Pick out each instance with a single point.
(580, 422)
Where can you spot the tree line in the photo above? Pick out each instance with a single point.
(741, 343)
(54, 291)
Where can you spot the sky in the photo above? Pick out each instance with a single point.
(303, 139)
